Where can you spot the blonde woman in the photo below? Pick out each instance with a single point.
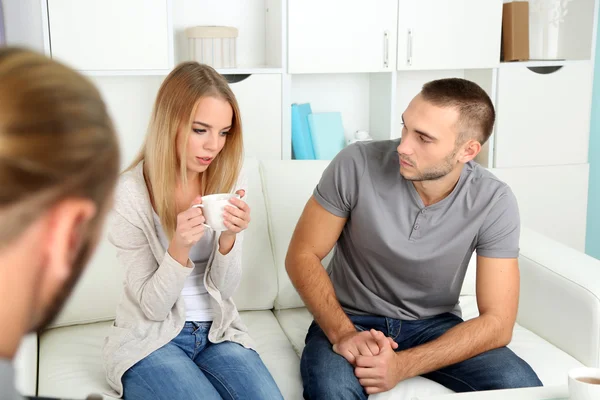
(59, 162)
(177, 334)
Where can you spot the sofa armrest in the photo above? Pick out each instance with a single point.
(26, 365)
(560, 296)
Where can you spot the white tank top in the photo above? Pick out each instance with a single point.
(195, 296)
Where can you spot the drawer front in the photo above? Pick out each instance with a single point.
(543, 118)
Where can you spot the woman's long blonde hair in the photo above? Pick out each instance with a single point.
(175, 105)
(56, 141)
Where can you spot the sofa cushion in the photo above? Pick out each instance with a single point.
(276, 352)
(70, 357)
(99, 290)
(567, 309)
(97, 294)
(550, 363)
(258, 288)
(70, 361)
(284, 208)
(295, 323)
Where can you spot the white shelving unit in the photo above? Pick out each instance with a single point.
(363, 99)
(539, 63)
(117, 43)
(366, 60)
(259, 22)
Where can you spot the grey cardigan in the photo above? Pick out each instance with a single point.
(151, 312)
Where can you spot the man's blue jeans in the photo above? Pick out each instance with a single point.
(190, 367)
(327, 375)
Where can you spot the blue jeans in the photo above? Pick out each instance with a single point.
(190, 367)
(327, 375)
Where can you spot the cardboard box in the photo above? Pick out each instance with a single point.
(515, 31)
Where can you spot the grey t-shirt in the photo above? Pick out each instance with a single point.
(7, 381)
(397, 258)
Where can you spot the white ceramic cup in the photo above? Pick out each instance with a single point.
(213, 207)
(581, 390)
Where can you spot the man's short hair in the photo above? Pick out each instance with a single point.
(476, 111)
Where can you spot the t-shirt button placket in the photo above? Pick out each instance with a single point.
(414, 234)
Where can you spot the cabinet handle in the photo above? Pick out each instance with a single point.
(409, 48)
(386, 49)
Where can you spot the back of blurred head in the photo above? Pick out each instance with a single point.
(59, 161)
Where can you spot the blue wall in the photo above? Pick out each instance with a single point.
(592, 246)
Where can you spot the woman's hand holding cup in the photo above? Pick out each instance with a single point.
(236, 217)
(190, 229)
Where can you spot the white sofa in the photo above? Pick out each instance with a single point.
(558, 324)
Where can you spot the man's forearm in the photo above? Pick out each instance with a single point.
(460, 343)
(314, 286)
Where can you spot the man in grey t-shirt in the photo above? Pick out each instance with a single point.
(406, 217)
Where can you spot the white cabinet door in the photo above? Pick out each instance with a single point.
(104, 35)
(259, 99)
(543, 119)
(449, 34)
(130, 102)
(341, 35)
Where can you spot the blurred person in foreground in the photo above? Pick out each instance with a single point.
(59, 161)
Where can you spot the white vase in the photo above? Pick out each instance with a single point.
(545, 24)
(543, 37)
